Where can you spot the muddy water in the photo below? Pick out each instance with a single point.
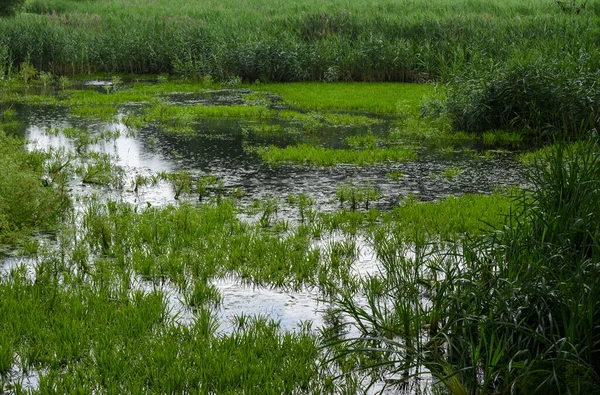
(219, 149)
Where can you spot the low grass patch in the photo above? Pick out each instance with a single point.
(380, 98)
(450, 217)
(305, 154)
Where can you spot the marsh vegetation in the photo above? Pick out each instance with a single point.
(207, 229)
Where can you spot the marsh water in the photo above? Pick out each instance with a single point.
(225, 148)
(219, 147)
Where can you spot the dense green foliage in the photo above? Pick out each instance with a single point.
(547, 81)
(282, 41)
(483, 294)
(537, 92)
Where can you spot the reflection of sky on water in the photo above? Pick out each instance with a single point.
(220, 148)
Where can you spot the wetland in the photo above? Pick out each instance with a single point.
(389, 197)
(173, 205)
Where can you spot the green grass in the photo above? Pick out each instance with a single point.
(450, 217)
(506, 137)
(509, 310)
(380, 98)
(305, 154)
(96, 331)
(30, 201)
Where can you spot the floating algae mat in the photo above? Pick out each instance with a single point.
(185, 231)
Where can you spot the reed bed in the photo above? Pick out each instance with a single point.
(364, 41)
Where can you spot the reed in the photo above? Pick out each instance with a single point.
(364, 41)
(497, 312)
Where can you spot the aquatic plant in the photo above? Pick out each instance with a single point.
(362, 141)
(207, 184)
(395, 175)
(101, 169)
(356, 194)
(304, 204)
(510, 310)
(26, 72)
(28, 201)
(180, 180)
(45, 78)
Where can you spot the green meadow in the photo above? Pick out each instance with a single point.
(299, 197)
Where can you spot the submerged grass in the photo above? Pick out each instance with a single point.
(92, 313)
(95, 331)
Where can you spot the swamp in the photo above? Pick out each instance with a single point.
(267, 197)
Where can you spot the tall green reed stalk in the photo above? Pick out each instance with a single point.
(515, 310)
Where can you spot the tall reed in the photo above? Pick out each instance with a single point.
(513, 310)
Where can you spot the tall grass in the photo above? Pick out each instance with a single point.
(300, 41)
(515, 310)
(539, 91)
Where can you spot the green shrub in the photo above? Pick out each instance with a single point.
(542, 94)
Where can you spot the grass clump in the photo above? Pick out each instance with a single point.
(356, 194)
(29, 201)
(101, 169)
(305, 154)
(453, 216)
